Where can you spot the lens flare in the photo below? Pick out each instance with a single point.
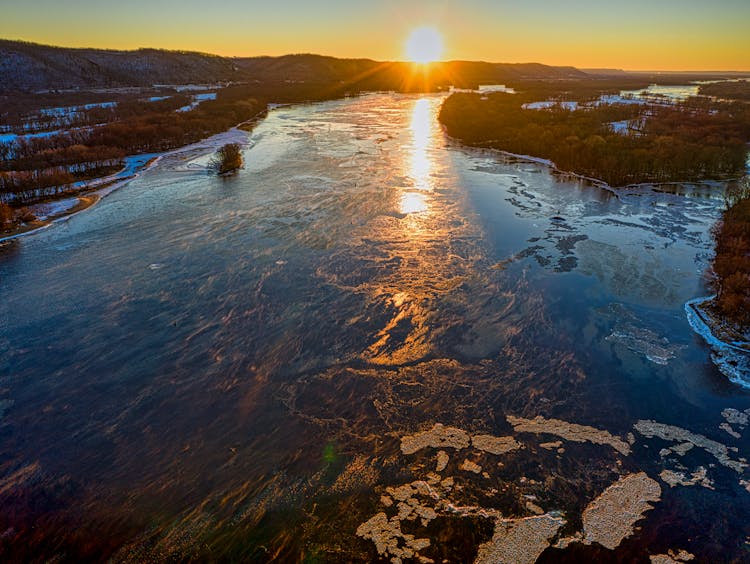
(424, 45)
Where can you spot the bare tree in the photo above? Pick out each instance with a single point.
(227, 159)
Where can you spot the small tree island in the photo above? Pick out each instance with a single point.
(227, 159)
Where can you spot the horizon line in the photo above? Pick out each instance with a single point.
(581, 68)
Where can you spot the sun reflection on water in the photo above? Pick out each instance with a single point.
(408, 295)
(413, 202)
(420, 165)
(422, 136)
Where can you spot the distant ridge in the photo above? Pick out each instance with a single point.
(308, 67)
(29, 66)
(606, 72)
(33, 67)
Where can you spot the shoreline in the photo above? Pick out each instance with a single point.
(731, 359)
(95, 189)
(617, 190)
(537, 160)
(84, 202)
(99, 188)
(87, 197)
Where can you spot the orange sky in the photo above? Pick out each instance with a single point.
(634, 34)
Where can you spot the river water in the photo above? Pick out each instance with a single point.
(225, 368)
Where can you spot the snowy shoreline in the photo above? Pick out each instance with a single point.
(732, 360)
(135, 166)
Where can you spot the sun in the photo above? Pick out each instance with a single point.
(425, 45)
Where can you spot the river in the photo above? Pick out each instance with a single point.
(232, 368)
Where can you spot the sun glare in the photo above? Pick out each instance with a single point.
(425, 45)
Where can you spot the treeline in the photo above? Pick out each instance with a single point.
(127, 109)
(38, 165)
(729, 90)
(579, 90)
(30, 186)
(31, 113)
(732, 261)
(42, 167)
(78, 158)
(682, 142)
(136, 127)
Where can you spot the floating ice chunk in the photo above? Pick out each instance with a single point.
(437, 437)
(650, 429)
(568, 431)
(672, 557)
(519, 541)
(494, 445)
(611, 517)
(698, 477)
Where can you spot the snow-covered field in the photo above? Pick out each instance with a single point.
(487, 88)
(11, 137)
(70, 111)
(50, 209)
(621, 127)
(197, 99)
(681, 92)
(547, 104)
(654, 94)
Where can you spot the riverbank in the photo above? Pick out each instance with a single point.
(82, 202)
(91, 192)
(87, 195)
(730, 348)
(543, 162)
(617, 191)
(584, 141)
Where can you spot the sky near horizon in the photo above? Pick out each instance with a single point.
(628, 34)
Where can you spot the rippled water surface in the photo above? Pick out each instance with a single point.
(224, 368)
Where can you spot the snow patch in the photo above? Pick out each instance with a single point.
(548, 104)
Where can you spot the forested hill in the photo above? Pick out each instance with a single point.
(317, 68)
(32, 67)
(28, 66)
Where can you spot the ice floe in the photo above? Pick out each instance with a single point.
(698, 477)
(519, 541)
(651, 429)
(672, 557)
(611, 517)
(437, 437)
(568, 431)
